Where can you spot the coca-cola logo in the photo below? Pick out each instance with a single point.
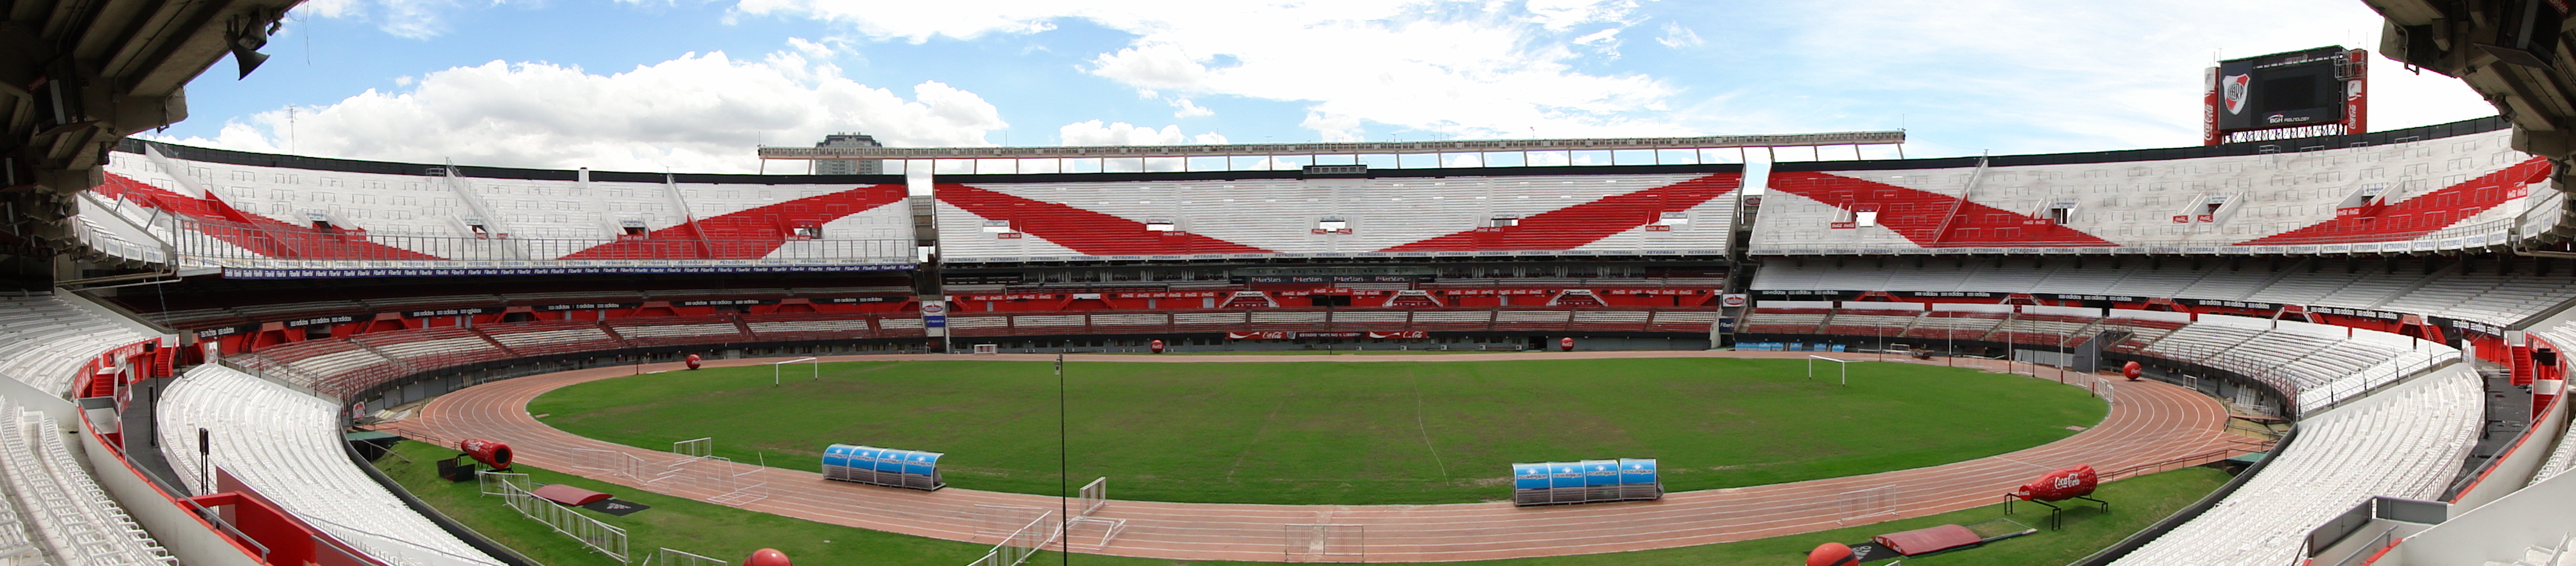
(2066, 482)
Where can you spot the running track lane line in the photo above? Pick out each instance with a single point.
(2152, 422)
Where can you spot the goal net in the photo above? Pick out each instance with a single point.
(1865, 503)
(695, 448)
(1093, 495)
(1326, 543)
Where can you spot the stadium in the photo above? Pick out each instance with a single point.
(2302, 342)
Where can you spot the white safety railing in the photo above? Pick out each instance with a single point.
(1023, 543)
(1094, 495)
(602, 537)
(670, 557)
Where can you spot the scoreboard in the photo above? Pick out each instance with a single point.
(2305, 93)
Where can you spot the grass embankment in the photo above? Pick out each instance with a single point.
(1339, 432)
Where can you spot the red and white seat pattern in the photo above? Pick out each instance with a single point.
(1550, 214)
(2458, 192)
(235, 215)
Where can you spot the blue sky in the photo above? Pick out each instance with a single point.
(691, 85)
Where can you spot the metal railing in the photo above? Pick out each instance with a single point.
(602, 537)
(670, 557)
(1023, 543)
(354, 543)
(225, 243)
(2496, 232)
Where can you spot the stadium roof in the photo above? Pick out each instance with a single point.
(2509, 51)
(1334, 148)
(77, 76)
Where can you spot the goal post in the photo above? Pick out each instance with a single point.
(695, 448)
(774, 369)
(1093, 495)
(1843, 366)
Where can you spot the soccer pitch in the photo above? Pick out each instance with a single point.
(1339, 432)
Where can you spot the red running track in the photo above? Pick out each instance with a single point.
(2150, 423)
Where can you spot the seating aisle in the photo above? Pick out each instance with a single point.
(287, 446)
(2406, 442)
(74, 521)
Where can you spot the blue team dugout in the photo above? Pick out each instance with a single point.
(1587, 481)
(888, 467)
(921, 470)
(1565, 483)
(1529, 476)
(836, 461)
(851, 463)
(1600, 479)
(1637, 479)
(1529, 483)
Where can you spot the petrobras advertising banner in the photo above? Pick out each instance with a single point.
(1600, 472)
(1634, 471)
(836, 455)
(1565, 474)
(864, 456)
(1529, 476)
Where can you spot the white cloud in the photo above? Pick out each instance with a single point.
(811, 49)
(1184, 108)
(326, 8)
(1333, 128)
(1677, 37)
(699, 113)
(1606, 40)
(1561, 15)
(1464, 69)
(1092, 132)
(1153, 66)
(918, 22)
(413, 19)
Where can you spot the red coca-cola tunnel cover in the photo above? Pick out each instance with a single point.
(1924, 541)
(569, 495)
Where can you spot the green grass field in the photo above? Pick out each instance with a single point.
(729, 533)
(1339, 432)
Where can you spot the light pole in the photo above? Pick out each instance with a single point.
(1063, 466)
